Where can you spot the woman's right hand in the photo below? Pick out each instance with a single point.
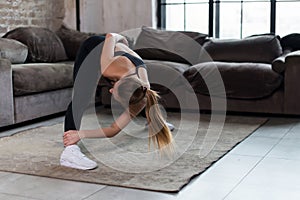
(71, 137)
(118, 38)
(108, 35)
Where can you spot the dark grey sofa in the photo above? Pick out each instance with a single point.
(30, 91)
(257, 75)
(36, 72)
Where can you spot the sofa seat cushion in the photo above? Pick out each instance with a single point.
(32, 78)
(241, 80)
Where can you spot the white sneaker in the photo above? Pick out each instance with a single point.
(74, 158)
(171, 126)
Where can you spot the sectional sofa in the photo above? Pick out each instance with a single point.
(188, 69)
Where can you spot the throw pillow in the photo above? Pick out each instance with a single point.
(72, 40)
(291, 42)
(13, 50)
(264, 49)
(198, 37)
(43, 44)
(166, 45)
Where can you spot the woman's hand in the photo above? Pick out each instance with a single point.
(124, 41)
(71, 137)
(118, 38)
(108, 35)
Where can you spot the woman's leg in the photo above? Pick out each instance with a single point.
(85, 76)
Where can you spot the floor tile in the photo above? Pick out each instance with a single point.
(215, 183)
(4, 174)
(14, 197)
(275, 128)
(255, 146)
(273, 178)
(294, 133)
(287, 148)
(118, 193)
(8, 179)
(218, 180)
(46, 188)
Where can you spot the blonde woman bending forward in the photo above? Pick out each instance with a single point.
(111, 58)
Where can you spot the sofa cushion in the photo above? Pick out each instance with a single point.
(241, 80)
(262, 48)
(32, 78)
(159, 70)
(43, 44)
(72, 40)
(183, 47)
(13, 50)
(291, 42)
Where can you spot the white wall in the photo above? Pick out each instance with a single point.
(104, 16)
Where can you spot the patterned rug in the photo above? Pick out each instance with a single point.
(126, 160)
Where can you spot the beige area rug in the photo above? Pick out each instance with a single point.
(125, 160)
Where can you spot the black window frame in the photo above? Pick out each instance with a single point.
(214, 9)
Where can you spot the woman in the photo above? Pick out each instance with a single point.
(128, 73)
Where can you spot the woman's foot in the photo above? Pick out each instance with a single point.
(74, 158)
(171, 126)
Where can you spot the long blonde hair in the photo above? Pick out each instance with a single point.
(136, 96)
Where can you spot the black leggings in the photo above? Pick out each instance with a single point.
(86, 75)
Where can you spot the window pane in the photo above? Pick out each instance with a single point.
(196, 1)
(246, 0)
(197, 17)
(175, 17)
(287, 16)
(256, 18)
(230, 20)
(230, 0)
(174, 1)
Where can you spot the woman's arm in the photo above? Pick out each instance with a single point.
(73, 136)
(108, 51)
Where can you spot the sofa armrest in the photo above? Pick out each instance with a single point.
(278, 64)
(6, 93)
(292, 83)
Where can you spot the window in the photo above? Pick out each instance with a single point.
(239, 19)
(230, 18)
(287, 15)
(186, 15)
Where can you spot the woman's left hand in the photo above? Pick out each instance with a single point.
(124, 41)
(71, 137)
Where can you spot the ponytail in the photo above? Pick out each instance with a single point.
(159, 132)
(134, 95)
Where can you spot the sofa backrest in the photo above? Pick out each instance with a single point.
(259, 49)
(166, 45)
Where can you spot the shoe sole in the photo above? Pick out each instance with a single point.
(73, 165)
